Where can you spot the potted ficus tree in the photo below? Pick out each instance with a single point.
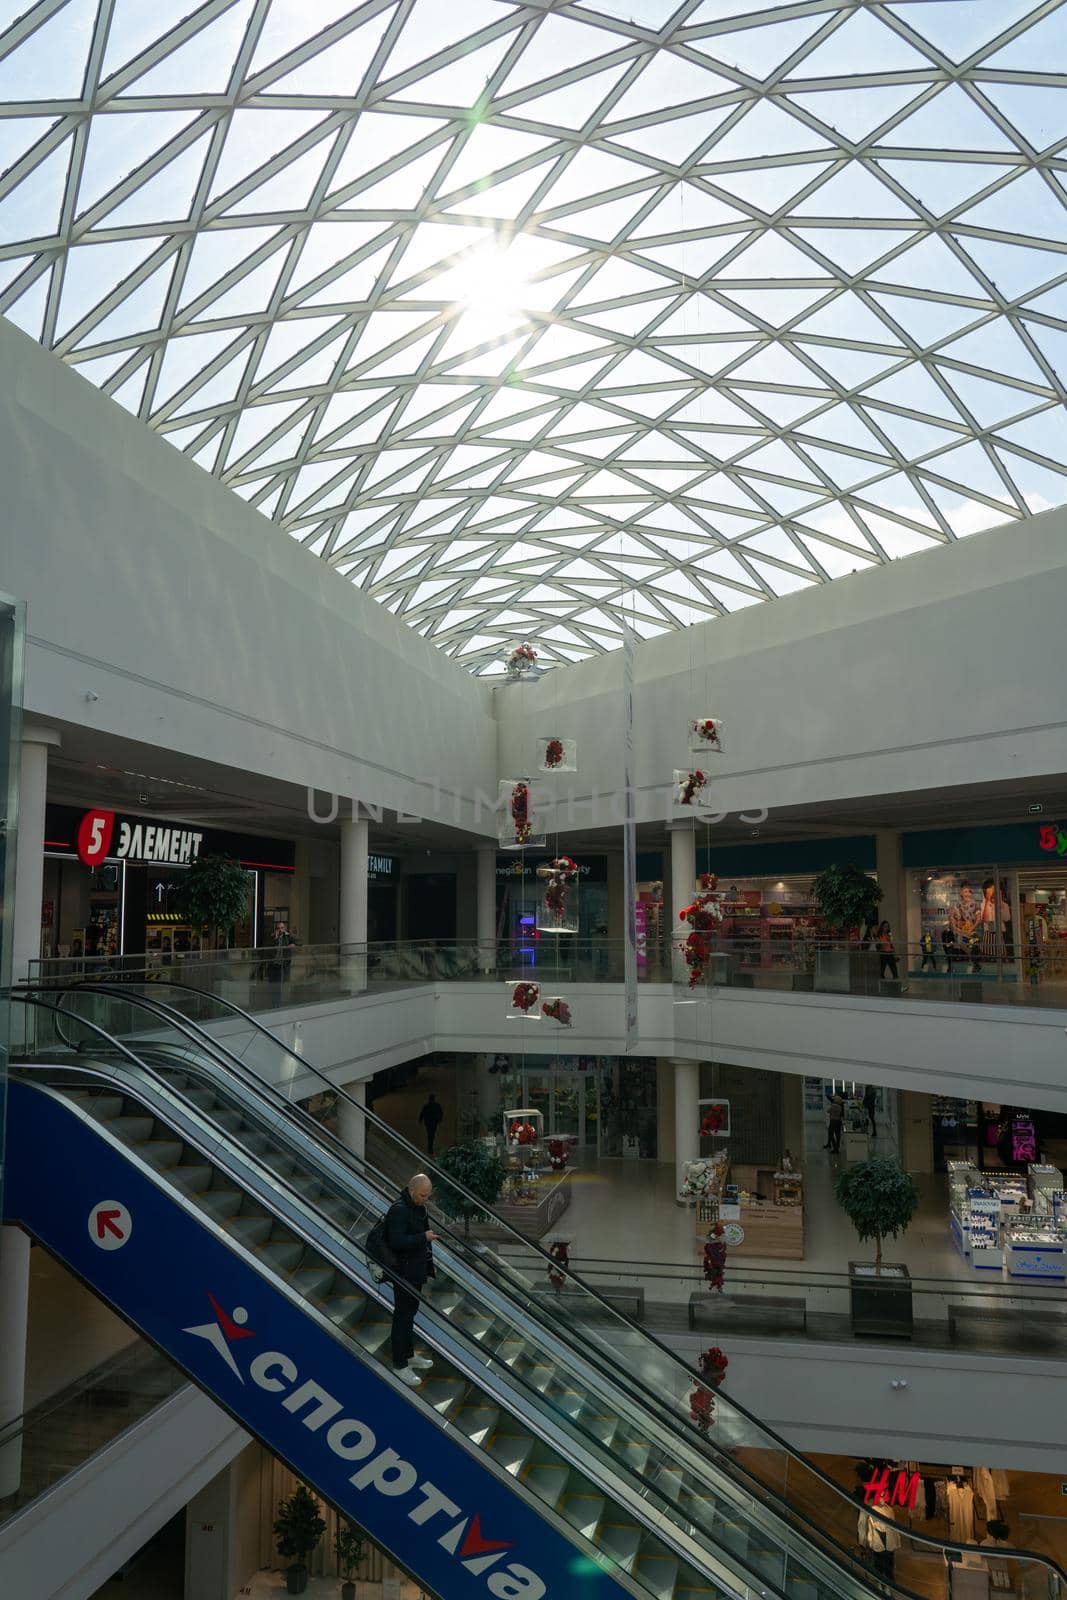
(880, 1199)
(480, 1170)
(848, 898)
(349, 1547)
(298, 1527)
(213, 893)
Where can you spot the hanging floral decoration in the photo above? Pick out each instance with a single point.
(557, 1274)
(558, 1009)
(559, 875)
(520, 812)
(554, 753)
(521, 659)
(702, 915)
(525, 996)
(707, 731)
(689, 786)
(714, 1263)
(713, 1365)
(713, 1120)
(559, 1153)
(522, 1133)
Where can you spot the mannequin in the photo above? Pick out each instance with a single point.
(960, 1510)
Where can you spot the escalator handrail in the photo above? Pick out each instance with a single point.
(635, 1497)
(791, 1515)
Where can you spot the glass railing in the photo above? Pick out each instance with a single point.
(761, 1480)
(65, 1431)
(268, 979)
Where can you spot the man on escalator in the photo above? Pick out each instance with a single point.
(409, 1238)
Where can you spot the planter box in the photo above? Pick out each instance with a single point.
(846, 971)
(880, 1306)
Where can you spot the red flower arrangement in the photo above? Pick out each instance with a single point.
(558, 1010)
(713, 1365)
(713, 1121)
(560, 873)
(715, 1258)
(560, 1254)
(559, 1153)
(522, 1133)
(702, 916)
(706, 729)
(554, 753)
(524, 655)
(520, 812)
(689, 785)
(525, 996)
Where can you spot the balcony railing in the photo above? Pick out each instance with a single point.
(267, 978)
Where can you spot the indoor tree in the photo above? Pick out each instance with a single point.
(213, 893)
(481, 1171)
(879, 1199)
(298, 1527)
(846, 896)
(349, 1547)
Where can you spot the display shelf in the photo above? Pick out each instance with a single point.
(1036, 1249)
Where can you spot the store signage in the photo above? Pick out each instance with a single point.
(892, 1488)
(99, 837)
(383, 865)
(1052, 837)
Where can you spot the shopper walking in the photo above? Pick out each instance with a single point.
(926, 945)
(948, 947)
(430, 1118)
(409, 1238)
(870, 1105)
(886, 953)
(836, 1124)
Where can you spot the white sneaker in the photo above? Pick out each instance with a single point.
(421, 1363)
(406, 1375)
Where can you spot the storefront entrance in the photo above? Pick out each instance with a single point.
(605, 1104)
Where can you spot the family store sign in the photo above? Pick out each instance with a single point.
(1052, 837)
(98, 838)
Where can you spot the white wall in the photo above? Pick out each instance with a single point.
(995, 1411)
(204, 630)
(69, 1541)
(984, 1052)
(860, 687)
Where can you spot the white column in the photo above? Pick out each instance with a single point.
(889, 865)
(210, 1539)
(487, 907)
(353, 923)
(351, 1122)
(686, 1114)
(14, 1309)
(29, 850)
(683, 885)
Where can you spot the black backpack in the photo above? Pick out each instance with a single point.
(378, 1252)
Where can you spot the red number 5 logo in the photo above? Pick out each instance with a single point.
(94, 836)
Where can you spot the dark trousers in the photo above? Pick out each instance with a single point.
(834, 1135)
(405, 1306)
(890, 962)
(431, 1135)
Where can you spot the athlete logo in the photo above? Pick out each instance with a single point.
(223, 1332)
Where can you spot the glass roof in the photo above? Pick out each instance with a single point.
(528, 317)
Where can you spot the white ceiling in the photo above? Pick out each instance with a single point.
(531, 318)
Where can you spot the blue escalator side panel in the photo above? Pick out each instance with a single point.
(418, 1492)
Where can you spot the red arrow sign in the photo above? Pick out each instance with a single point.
(105, 1223)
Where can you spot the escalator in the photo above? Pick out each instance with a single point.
(550, 1451)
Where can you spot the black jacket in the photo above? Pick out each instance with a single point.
(406, 1227)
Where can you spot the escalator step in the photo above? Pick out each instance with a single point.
(371, 1336)
(202, 1098)
(602, 1428)
(512, 1451)
(312, 1281)
(620, 1543)
(309, 1187)
(131, 1129)
(547, 1481)
(283, 1254)
(221, 1203)
(224, 1117)
(162, 1154)
(101, 1107)
(250, 1229)
(190, 1180)
(584, 1512)
(634, 1452)
(657, 1574)
(479, 1423)
(443, 1393)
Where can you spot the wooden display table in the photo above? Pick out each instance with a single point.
(767, 1230)
(551, 1197)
